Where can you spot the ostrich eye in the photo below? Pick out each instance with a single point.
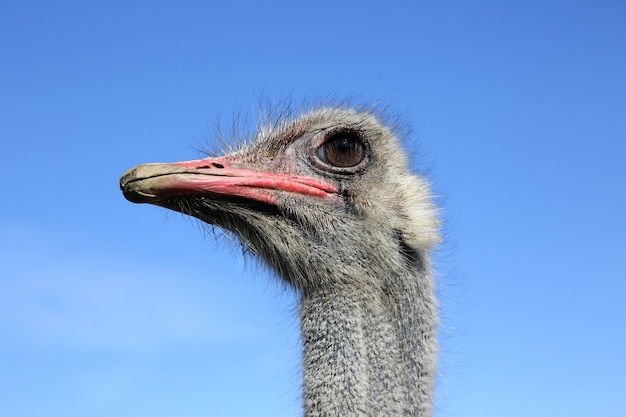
(343, 150)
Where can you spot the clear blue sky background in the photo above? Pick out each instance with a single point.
(113, 309)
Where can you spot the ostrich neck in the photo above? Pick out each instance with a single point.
(370, 352)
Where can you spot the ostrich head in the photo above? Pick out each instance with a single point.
(328, 201)
(321, 192)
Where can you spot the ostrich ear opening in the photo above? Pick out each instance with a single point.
(421, 215)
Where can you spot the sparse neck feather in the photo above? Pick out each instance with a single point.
(371, 352)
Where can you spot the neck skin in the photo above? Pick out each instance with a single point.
(370, 352)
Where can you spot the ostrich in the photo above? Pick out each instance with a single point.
(327, 200)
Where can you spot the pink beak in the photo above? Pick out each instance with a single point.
(152, 183)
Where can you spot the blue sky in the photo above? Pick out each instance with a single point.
(109, 308)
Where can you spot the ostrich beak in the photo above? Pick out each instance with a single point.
(153, 183)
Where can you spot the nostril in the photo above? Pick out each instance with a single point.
(210, 165)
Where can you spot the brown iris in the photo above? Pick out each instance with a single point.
(342, 150)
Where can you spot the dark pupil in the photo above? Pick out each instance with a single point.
(344, 151)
